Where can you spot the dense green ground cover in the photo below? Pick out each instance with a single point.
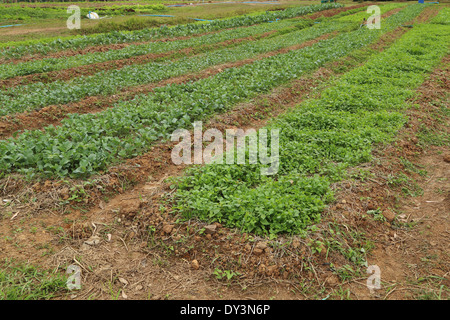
(319, 140)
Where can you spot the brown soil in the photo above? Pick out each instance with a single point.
(150, 273)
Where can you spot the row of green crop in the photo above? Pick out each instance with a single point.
(85, 144)
(35, 95)
(154, 33)
(19, 13)
(39, 94)
(318, 141)
(363, 15)
(9, 70)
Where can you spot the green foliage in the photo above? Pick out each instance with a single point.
(359, 16)
(319, 139)
(335, 131)
(9, 70)
(17, 12)
(13, 50)
(225, 274)
(127, 25)
(377, 215)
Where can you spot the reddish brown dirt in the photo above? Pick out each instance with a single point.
(54, 114)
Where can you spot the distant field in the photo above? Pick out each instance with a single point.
(51, 17)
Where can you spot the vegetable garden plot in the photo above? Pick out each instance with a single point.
(107, 82)
(85, 144)
(155, 33)
(9, 70)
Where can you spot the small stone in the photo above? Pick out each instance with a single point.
(168, 228)
(130, 207)
(272, 270)
(211, 229)
(65, 193)
(257, 251)
(332, 280)
(261, 245)
(195, 265)
(389, 215)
